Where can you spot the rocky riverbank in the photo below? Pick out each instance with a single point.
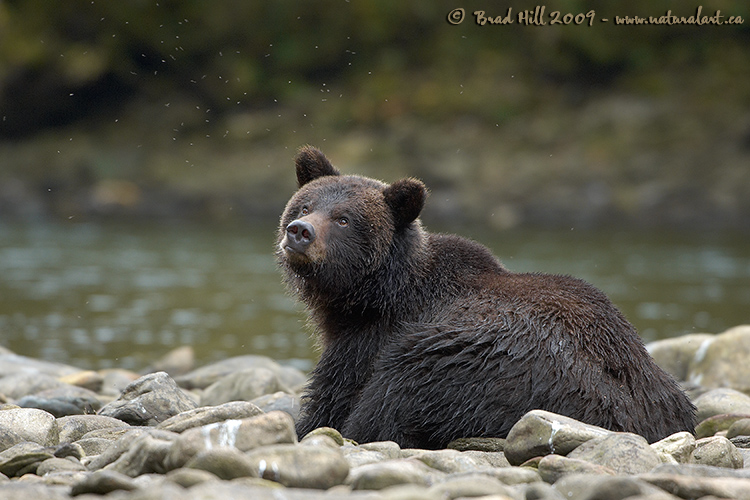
(226, 430)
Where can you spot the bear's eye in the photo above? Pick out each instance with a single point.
(342, 221)
(304, 211)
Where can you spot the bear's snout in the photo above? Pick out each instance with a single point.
(299, 235)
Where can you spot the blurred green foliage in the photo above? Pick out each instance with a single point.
(136, 105)
(60, 60)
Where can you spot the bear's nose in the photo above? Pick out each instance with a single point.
(299, 235)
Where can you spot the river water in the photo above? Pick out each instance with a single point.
(122, 295)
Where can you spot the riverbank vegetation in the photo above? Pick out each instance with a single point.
(184, 109)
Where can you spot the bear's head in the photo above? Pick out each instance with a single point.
(339, 229)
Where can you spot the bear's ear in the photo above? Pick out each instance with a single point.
(406, 199)
(311, 164)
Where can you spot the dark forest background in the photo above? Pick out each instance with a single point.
(190, 109)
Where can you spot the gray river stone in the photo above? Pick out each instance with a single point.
(149, 400)
(622, 452)
(473, 485)
(676, 354)
(14, 364)
(677, 447)
(553, 467)
(63, 400)
(210, 414)
(717, 451)
(243, 385)
(18, 385)
(279, 401)
(54, 464)
(23, 457)
(592, 487)
(698, 487)
(30, 424)
(540, 433)
(145, 455)
(74, 427)
(121, 446)
(299, 466)
(722, 401)
(102, 482)
(225, 463)
(245, 434)
(722, 362)
(381, 475)
(204, 376)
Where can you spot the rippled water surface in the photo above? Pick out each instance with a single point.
(102, 295)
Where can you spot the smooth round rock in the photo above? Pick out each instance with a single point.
(297, 466)
(31, 424)
(622, 452)
(717, 451)
(205, 415)
(540, 433)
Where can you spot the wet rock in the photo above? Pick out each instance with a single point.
(188, 478)
(739, 427)
(8, 438)
(54, 465)
(145, 455)
(30, 424)
(15, 364)
(176, 362)
(388, 448)
(698, 487)
(297, 466)
(718, 423)
(243, 385)
(74, 427)
(121, 446)
(235, 410)
(676, 354)
(279, 401)
(69, 450)
(63, 400)
(102, 482)
(149, 401)
(478, 444)
(204, 376)
(587, 486)
(474, 485)
(357, 456)
(18, 385)
(115, 381)
(553, 467)
(513, 475)
(541, 433)
(722, 362)
(392, 472)
(23, 457)
(448, 461)
(622, 452)
(88, 379)
(677, 447)
(22, 490)
(226, 463)
(246, 434)
(536, 491)
(329, 432)
(491, 458)
(700, 471)
(722, 401)
(717, 451)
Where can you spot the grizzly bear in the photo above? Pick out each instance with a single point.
(427, 337)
